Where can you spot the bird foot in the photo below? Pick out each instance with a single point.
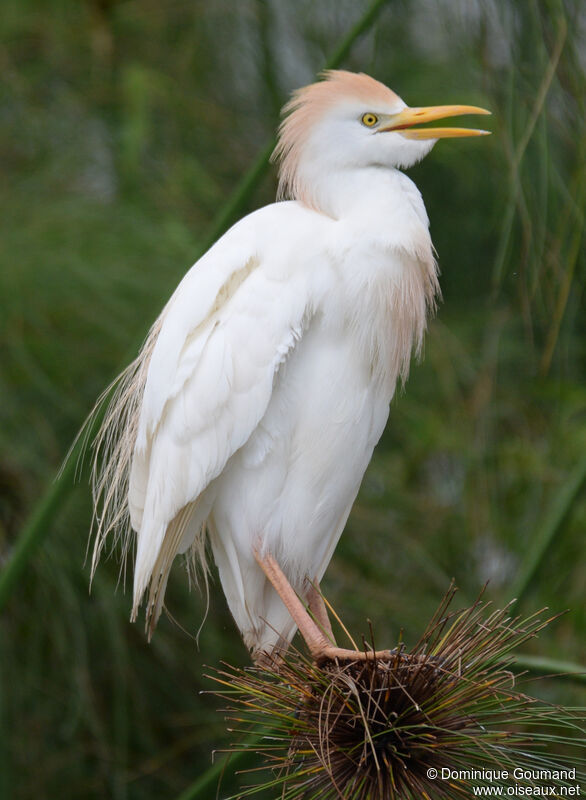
(316, 638)
(323, 655)
(331, 653)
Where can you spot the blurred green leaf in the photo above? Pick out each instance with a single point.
(125, 127)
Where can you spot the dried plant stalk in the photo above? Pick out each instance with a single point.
(432, 722)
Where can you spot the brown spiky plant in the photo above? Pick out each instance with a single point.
(385, 729)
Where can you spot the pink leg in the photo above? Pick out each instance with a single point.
(320, 648)
(314, 638)
(319, 611)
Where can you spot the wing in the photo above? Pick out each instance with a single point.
(223, 335)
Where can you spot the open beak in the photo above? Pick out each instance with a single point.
(404, 121)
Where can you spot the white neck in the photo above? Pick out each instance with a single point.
(380, 211)
(365, 191)
(375, 202)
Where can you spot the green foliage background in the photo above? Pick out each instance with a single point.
(124, 128)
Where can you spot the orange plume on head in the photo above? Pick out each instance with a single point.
(308, 105)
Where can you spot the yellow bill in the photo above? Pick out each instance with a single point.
(405, 120)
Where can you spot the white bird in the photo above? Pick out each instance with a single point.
(251, 414)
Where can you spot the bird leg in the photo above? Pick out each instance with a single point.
(320, 648)
(317, 607)
(314, 638)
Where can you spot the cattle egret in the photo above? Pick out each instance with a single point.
(249, 417)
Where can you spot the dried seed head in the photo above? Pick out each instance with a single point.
(384, 730)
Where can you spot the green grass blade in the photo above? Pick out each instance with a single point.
(46, 510)
(539, 665)
(208, 781)
(545, 536)
(36, 529)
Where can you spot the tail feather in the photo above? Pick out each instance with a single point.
(153, 566)
(114, 450)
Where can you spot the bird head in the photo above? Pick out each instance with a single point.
(350, 121)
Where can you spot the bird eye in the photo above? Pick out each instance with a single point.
(369, 119)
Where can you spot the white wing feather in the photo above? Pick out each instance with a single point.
(230, 324)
